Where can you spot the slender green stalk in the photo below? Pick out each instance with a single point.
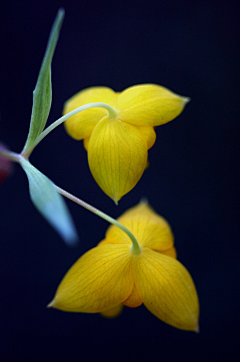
(10, 155)
(136, 249)
(111, 113)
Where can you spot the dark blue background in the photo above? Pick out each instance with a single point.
(191, 48)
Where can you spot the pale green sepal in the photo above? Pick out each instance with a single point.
(42, 94)
(49, 203)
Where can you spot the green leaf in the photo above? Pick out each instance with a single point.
(42, 95)
(49, 203)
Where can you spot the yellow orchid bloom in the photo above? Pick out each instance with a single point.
(118, 143)
(112, 274)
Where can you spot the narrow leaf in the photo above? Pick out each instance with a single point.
(42, 95)
(49, 203)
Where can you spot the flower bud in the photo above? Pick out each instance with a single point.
(6, 165)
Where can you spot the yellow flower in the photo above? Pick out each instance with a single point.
(118, 144)
(111, 275)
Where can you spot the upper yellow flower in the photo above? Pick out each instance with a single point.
(118, 144)
(111, 275)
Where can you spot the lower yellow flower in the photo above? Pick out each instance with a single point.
(111, 275)
(118, 143)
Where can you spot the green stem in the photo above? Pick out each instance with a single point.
(136, 249)
(111, 113)
(15, 157)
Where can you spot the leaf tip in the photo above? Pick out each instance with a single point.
(61, 13)
(70, 238)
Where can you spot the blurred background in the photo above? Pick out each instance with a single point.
(191, 48)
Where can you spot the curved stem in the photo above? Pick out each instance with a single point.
(111, 113)
(136, 249)
(10, 155)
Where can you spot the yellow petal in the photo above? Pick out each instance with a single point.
(100, 280)
(169, 252)
(166, 289)
(117, 156)
(116, 240)
(149, 105)
(148, 134)
(150, 229)
(113, 312)
(147, 165)
(85, 143)
(134, 300)
(82, 124)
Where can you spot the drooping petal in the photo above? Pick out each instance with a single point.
(82, 124)
(85, 143)
(116, 240)
(149, 105)
(166, 289)
(169, 252)
(149, 135)
(100, 280)
(150, 229)
(117, 156)
(134, 300)
(113, 312)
